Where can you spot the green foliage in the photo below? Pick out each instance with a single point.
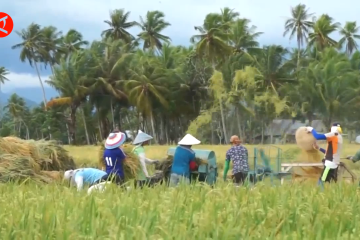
(223, 84)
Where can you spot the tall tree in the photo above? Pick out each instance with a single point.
(151, 28)
(322, 29)
(50, 44)
(299, 25)
(349, 37)
(119, 26)
(31, 48)
(72, 42)
(70, 80)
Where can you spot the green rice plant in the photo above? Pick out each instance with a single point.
(290, 211)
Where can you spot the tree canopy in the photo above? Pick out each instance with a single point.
(224, 83)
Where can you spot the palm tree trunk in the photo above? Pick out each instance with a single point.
(298, 58)
(153, 127)
(43, 90)
(19, 129)
(85, 127)
(223, 120)
(68, 133)
(238, 121)
(72, 124)
(112, 114)
(99, 123)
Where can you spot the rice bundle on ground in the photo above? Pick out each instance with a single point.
(131, 163)
(29, 159)
(308, 155)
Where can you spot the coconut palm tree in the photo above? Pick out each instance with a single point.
(243, 38)
(299, 25)
(111, 63)
(16, 107)
(228, 17)
(145, 87)
(272, 65)
(119, 26)
(322, 29)
(72, 42)
(151, 29)
(211, 42)
(32, 48)
(50, 44)
(350, 36)
(3, 73)
(70, 80)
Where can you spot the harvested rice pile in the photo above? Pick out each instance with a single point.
(131, 164)
(308, 155)
(304, 139)
(29, 159)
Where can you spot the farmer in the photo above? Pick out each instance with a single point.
(354, 158)
(88, 176)
(140, 141)
(238, 154)
(332, 153)
(184, 161)
(114, 157)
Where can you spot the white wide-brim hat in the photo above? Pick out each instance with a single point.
(189, 140)
(141, 137)
(115, 140)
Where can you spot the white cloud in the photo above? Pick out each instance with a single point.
(22, 80)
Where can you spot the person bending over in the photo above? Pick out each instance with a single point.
(85, 176)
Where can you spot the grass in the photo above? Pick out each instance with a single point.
(291, 211)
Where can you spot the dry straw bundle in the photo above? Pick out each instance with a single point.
(131, 163)
(308, 154)
(304, 139)
(24, 159)
(165, 164)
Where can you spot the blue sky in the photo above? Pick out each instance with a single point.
(87, 16)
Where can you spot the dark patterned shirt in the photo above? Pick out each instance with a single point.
(239, 156)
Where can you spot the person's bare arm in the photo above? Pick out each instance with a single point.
(79, 180)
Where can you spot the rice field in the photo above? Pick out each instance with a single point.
(291, 211)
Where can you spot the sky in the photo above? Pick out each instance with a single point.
(87, 16)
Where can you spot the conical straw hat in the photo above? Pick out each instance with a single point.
(115, 140)
(189, 140)
(141, 137)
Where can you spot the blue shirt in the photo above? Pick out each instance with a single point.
(114, 159)
(181, 162)
(90, 175)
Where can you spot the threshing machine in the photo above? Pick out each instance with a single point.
(206, 172)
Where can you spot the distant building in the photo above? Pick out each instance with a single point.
(283, 130)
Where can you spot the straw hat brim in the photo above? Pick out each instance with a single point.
(115, 140)
(189, 140)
